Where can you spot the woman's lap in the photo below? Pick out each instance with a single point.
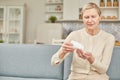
(77, 76)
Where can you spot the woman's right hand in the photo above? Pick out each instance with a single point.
(67, 47)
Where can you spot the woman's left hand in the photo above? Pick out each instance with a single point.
(85, 55)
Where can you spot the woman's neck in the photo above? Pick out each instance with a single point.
(93, 31)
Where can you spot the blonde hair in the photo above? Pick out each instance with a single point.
(91, 6)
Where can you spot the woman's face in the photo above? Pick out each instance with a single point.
(91, 18)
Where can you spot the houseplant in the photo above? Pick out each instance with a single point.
(1, 41)
(52, 19)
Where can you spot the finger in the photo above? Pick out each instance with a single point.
(70, 49)
(87, 55)
(79, 53)
(67, 44)
(66, 50)
(67, 47)
(63, 48)
(81, 56)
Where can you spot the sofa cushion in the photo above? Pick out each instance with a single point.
(67, 66)
(29, 60)
(18, 78)
(114, 69)
(114, 79)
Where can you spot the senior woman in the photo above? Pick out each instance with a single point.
(92, 62)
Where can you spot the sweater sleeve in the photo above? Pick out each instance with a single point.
(55, 60)
(102, 66)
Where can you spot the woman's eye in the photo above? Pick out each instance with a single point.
(93, 16)
(86, 17)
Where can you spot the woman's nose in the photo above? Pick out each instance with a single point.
(90, 20)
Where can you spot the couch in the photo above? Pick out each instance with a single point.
(32, 62)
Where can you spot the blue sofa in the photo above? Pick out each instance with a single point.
(33, 62)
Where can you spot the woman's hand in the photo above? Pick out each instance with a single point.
(67, 47)
(85, 55)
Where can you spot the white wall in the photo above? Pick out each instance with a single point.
(35, 10)
(71, 9)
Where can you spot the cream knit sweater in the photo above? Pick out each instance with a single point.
(100, 45)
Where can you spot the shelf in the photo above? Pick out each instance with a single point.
(54, 3)
(14, 33)
(54, 8)
(15, 19)
(80, 20)
(54, 12)
(109, 7)
(110, 20)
